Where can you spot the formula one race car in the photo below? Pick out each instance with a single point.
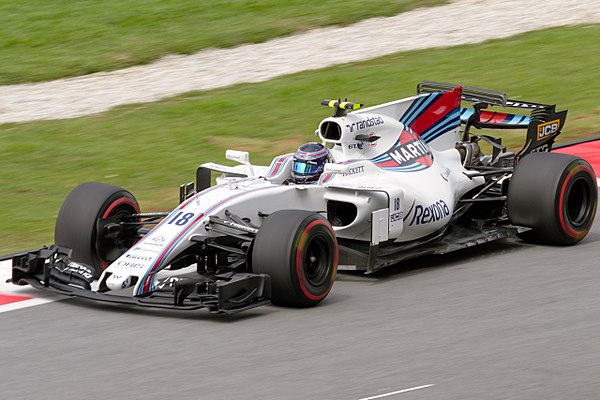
(382, 184)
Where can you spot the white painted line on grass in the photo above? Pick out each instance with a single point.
(379, 396)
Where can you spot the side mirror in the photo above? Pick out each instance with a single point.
(242, 157)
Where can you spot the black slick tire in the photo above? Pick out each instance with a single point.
(554, 194)
(76, 223)
(298, 250)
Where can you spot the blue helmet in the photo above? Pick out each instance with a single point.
(309, 162)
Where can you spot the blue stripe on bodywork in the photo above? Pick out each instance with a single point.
(445, 124)
(417, 108)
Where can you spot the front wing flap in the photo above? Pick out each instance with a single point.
(51, 269)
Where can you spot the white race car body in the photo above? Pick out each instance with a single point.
(401, 187)
(403, 180)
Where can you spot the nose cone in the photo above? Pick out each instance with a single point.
(116, 282)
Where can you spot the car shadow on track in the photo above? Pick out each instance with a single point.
(266, 311)
(200, 315)
(401, 270)
(427, 263)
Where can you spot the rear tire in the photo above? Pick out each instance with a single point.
(76, 225)
(554, 194)
(298, 250)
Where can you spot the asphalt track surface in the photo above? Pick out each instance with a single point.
(503, 321)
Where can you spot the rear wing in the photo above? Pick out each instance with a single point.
(543, 124)
(477, 95)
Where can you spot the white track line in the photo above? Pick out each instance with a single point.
(37, 296)
(460, 22)
(396, 392)
(27, 303)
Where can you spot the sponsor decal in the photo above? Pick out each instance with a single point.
(548, 129)
(365, 123)
(351, 171)
(159, 239)
(523, 105)
(445, 174)
(542, 148)
(396, 216)
(168, 283)
(130, 265)
(138, 257)
(240, 226)
(432, 213)
(77, 269)
(126, 283)
(410, 153)
(139, 248)
(152, 244)
(369, 187)
(115, 282)
(356, 170)
(358, 146)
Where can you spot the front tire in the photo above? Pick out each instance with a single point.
(298, 250)
(554, 194)
(77, 223)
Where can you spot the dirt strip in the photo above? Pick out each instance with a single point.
(461, 22)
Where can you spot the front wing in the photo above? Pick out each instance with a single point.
(51, 269)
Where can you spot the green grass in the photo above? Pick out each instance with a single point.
(48, 39)
(151, 149)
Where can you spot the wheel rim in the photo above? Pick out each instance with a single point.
(578, 203)
(317, 261)
(107, 249)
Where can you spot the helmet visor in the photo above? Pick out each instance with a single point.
(302, 167)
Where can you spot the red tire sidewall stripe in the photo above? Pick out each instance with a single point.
(566, 227)
(118, 202)
(299, 252)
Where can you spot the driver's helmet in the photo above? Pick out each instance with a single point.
(309, 162)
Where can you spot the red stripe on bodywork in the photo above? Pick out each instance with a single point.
(277, 166)
(167, 249)
(426, 161)
(173, 243)
(490, 117)
(439, 109)
(389, 163)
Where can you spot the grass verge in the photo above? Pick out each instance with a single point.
(49, 39)
(150, 149)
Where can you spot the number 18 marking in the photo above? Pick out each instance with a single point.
(181, 219)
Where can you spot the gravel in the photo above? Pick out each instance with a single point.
(461, 22)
